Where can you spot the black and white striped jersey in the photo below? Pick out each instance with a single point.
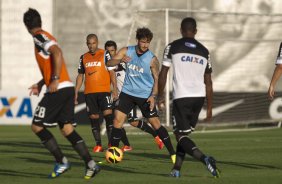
(190, 60)
(279, 57)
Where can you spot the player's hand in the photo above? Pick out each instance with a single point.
(271, 93)
(34, 90)
(151, 101)
(126, 59)
(53, 87)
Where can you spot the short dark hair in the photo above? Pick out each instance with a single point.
(144, 33)
(32, 19)
(188, 24)
(110, 43)
(91, 36)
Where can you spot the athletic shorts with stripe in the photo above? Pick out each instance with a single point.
(98, 102)
(55, 108)
(127, 102)
(185, 112)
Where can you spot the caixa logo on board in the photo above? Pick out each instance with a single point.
(15, 107)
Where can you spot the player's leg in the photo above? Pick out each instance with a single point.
(125, 105)
(45, 115)
(125, 141)
(124, 138)
(50, 143)
(108, 115)
(136, 119)
(190, 109)
(143, 125)
(154, 120)
(117, 128)
(65, 120)
(80, 147)
(106, 105)
(163, 134)
(96, 132)
(138, 122)
(93, 113)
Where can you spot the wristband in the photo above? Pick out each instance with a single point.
(55, 77)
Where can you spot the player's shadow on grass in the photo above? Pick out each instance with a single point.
(248, 165)
(164, 157)
(29, 144)
(6, 172)
(34, 148)
(129, 170)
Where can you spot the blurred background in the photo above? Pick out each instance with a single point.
(243, 38)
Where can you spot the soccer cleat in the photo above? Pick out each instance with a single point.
(159, 142)
(126, 148)
(97, 149)
(211, 166)
(173, 158)
(90, 173)
(59, 169)
(175, 173)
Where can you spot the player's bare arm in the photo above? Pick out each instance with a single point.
(276, 75)
(209, 95)
(155, 73)
(119, 57)
(114, 85)
(161, 86)
(56, 54)
(78, 84)
(35, 89)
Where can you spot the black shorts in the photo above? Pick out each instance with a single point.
(134, 115)
(98, 102)
(55, 108)
(185, 113)
(127, 102)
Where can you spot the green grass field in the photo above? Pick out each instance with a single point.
(249, 157)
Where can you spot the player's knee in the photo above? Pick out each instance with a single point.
(94, 116)
(155, 122)
(67, 129)
(107, 112)
(134, 123)
(36, 128)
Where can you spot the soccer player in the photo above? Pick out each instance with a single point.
(98, 79)
(276, 74)
(140, 87)
(191, 84)
(57, 105)
(133, 118)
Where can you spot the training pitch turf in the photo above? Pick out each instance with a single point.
(249, 157)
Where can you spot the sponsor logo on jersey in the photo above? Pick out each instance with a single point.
(90, 73)
(93, 63)
(190, 45)
(192, 59)
(135, 68)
